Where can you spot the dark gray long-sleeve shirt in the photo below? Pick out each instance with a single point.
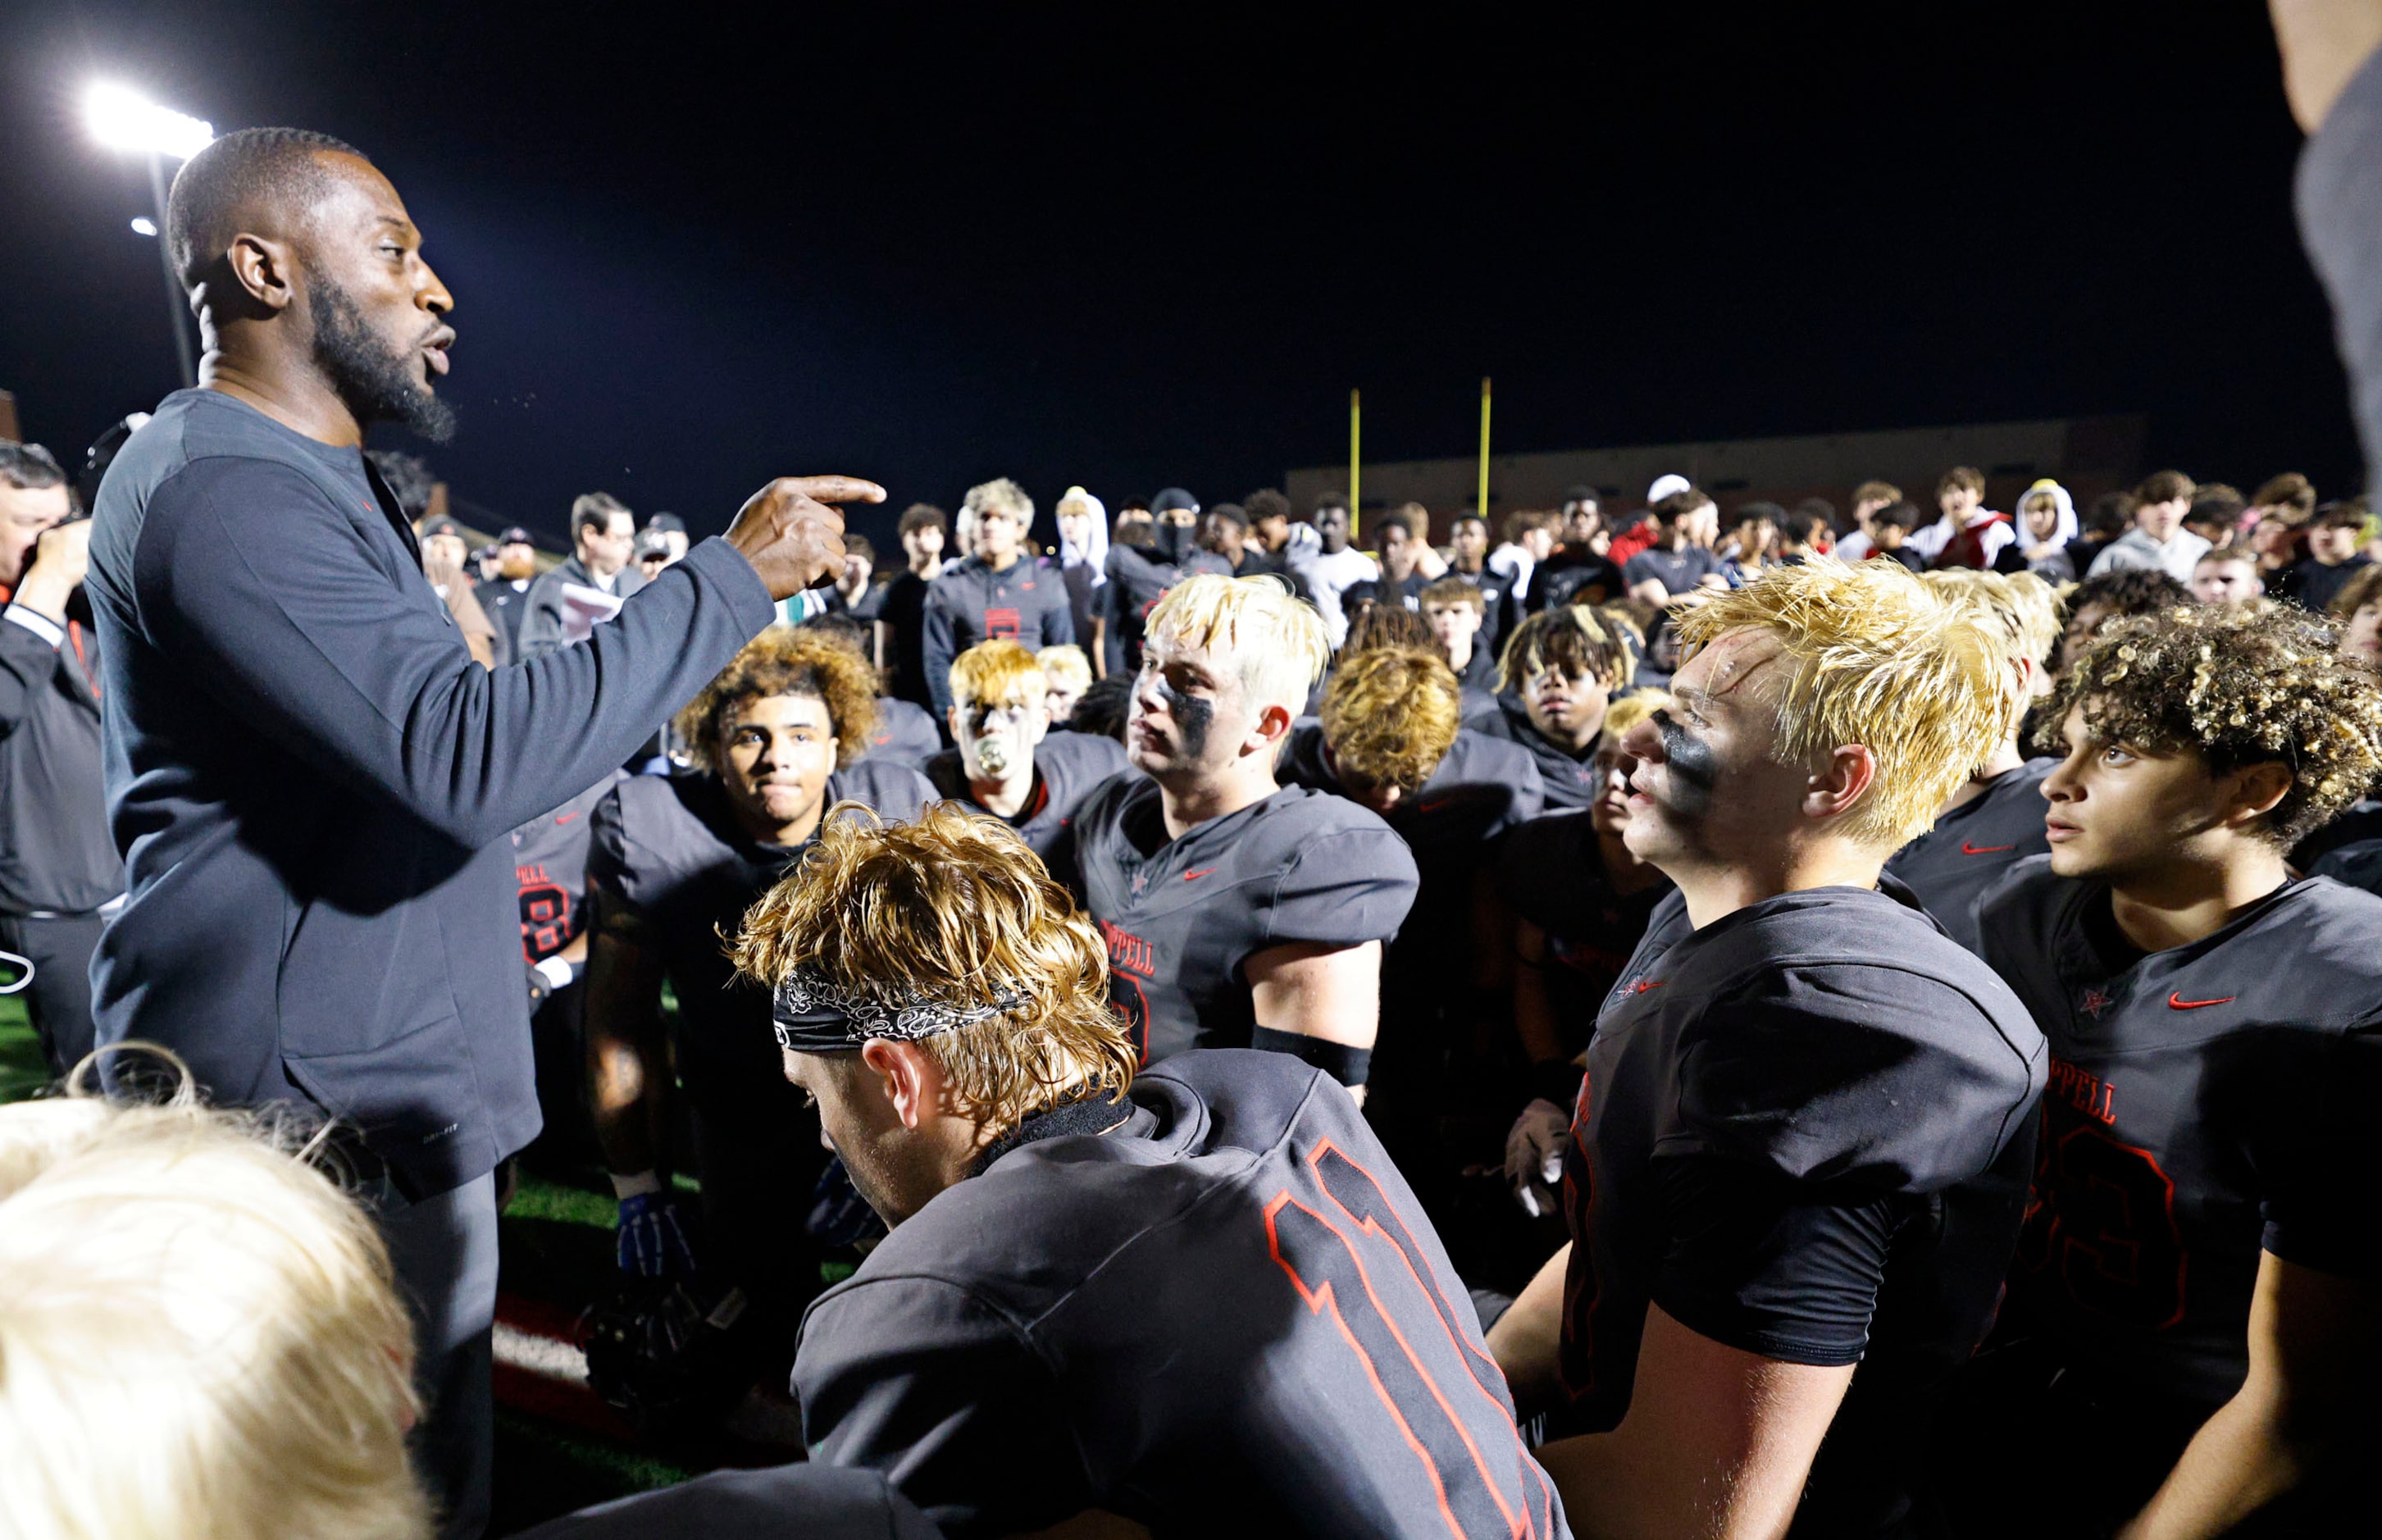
(56, 855)
(312, 782)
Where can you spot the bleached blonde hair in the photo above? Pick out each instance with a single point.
(2020, 606)
(1276, 640)
(1004, 495)
(1877, 658)
(1065, 667)
(199, 1335)
(998, 673)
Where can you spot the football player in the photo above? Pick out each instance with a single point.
(550, 873)
(1001, 592)
(675, 860)
(1992, 819)
(1238, 912)
(1579, 900)
(2202, 1257)
(1558, 673)
(1010, 763)
(1200, 1301)
(1389, 739)
(1798, 1160)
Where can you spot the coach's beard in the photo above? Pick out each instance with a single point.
(378, 384)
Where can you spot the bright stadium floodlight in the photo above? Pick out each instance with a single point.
(123, 119)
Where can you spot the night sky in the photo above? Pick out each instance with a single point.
(693, 247)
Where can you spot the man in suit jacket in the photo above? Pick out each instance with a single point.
(311, 780)
(603, 534)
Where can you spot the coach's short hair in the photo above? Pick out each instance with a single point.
(1390, 715)
(1276, 639)
(222, 182)
(1874, 657)
(199, 1333)
(596, 511)
(998, 673)
(954, 911)
(1003, 495)
(29, 467)
(787, 661)
(2237, 684)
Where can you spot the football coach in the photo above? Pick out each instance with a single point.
(311, 780)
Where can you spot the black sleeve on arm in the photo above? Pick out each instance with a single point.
(2319, 1157)
(918, 1378)
(1786, 1270)
(283, 610)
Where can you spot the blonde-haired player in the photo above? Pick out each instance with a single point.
(1199, 1299)
(1993, 819)
(1238, 912)
(200, 1335)
(1798, 1162)
(1008, 763)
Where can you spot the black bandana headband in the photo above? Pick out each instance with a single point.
(815, 1016)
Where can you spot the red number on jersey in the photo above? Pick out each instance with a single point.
(1352, 1260)
(2112, 1232)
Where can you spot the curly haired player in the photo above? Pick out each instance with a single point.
(2201, 1260)
(1559, 673)
(676, 861)
(1798, 1162)
(1200, 1298)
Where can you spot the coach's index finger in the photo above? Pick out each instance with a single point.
(834, 489)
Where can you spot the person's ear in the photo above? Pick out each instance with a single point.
(1272, 725)
(1840, 783)
(2256, 791)
(910, 1080)
(265, 270)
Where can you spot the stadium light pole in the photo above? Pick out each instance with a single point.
(121, 119)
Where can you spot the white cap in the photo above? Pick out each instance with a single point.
(1665, 486)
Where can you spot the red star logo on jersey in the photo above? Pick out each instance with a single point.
(1140, 881)
(2094, 1001)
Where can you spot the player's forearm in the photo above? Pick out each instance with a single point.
(1527, 1338)
(623, 1011)
(2241, 1460)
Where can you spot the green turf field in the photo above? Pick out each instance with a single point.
(557, 1238)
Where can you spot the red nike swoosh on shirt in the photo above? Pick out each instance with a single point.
(1968, 849)
(1645, 984)
(2180, 1003)
(564, 818)
(1194, 876)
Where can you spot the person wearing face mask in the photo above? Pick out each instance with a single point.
(998, 593)
(1556, 677)
(1579, 899)
(1010, 763)
(776, 740)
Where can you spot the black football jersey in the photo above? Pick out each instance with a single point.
(1952, 865)
(2357, 863)
(1552, 874)
(1224, 1315)
(905, 734)
(668, 849)
(2205, 1102)
(550, 867)
(1066, 766)
(1483, 787)
(1804, 1133)
(1568, 780)
(1181, 917)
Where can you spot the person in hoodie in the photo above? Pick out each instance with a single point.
(1558, 675)
(2159, 540)
(1083, 565)
(1139, 569)
(2046, 521)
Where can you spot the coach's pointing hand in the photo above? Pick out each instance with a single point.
(791, 535)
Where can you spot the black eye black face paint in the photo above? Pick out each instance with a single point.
(1195, 717)
(1691, 767)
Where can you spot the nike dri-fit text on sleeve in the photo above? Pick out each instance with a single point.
(312, 782)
